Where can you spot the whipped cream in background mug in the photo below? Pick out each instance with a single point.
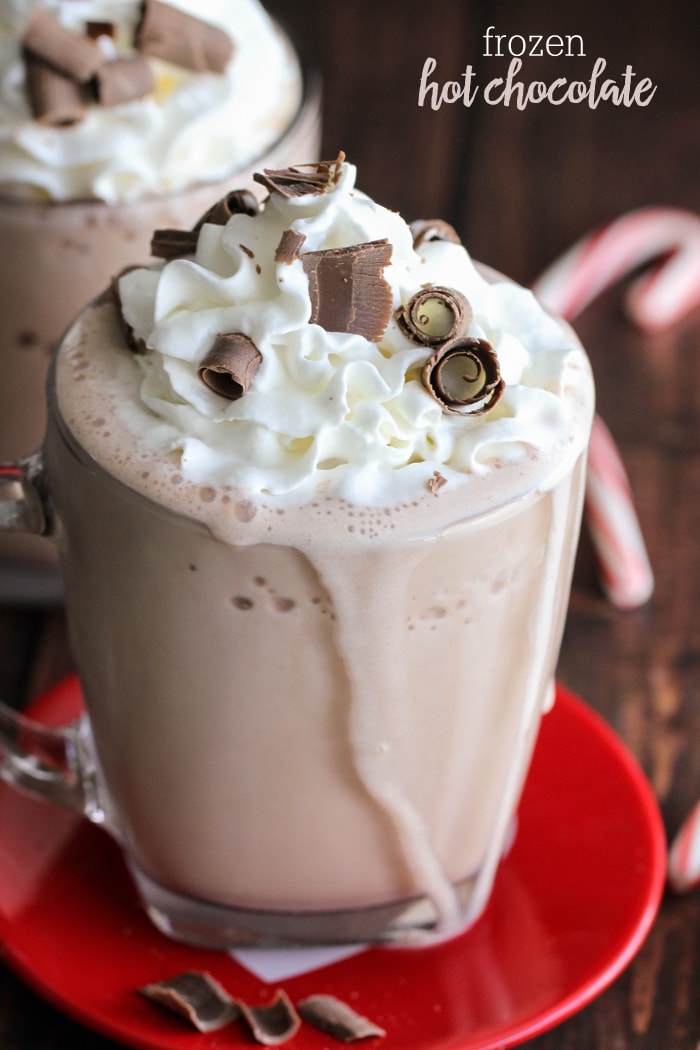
(316, 479)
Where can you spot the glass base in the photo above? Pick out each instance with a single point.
(203, 924)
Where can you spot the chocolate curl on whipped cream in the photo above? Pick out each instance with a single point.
(464, 376)
(138, 346)
(273, 1024)
(72, 54)
(348, 290)
(229, 366)
(433, 230)
(237, 202)
(197, 997)
(302, 179)
(123, 80)
(173, 35)
(54, 99)
(435, 315)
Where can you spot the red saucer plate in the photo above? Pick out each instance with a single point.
(573, 901)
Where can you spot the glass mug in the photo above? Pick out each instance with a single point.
(264, 787)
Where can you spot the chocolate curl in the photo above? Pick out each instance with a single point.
(95, 29)
(347, 288)
(136, 345)
(273, 1024)
(289, 246)
(54, 99)
(123, 80)
(167, 32)
(230, 365)
(433, 230)
(195, 996)
(237, 202)
(435, 315)
(464, 377)
(302, 179)
(337, 1018)
(173, 244)
(76, 56)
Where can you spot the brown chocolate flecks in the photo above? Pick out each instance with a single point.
(229, 366)
(347, 288)
(173, 244)
(301, 179)
(54, 99)
(123, 80)
(247, 251)
(273, 1024)
(167, 32)
(337, 1018)
(435, 315)
(137, 345)
(436, 482)
(195, 996)
(76, 56)
(237, 202)
(464, 376)
(289, 246)
(433, 230)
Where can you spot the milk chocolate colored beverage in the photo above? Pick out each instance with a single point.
(90, 167)
(317, 485)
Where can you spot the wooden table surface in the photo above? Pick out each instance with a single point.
(520, 186)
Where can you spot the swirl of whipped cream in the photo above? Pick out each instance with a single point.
(330, 411)
(196, 127)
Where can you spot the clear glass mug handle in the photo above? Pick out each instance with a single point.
(55, 764)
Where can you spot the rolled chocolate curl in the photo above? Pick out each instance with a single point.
(230, 365)
(237, 202)
(273, 1024)
(76, 56)
(136, 345)
(54, 99)
(173, 244)
(301, 179)
(433, 230)
(435, 315)
(464, 376)
(171, 34)
(334, 1016)
(348, 290)
(197, 997)
(123, 80)
(289, 246)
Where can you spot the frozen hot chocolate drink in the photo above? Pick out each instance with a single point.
(334, 474)
(116, 119)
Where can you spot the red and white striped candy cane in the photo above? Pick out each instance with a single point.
(668, 238)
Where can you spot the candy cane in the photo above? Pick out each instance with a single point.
(669, 238)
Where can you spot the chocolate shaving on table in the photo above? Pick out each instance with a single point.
(70, 53)
(237, 202)
(273, 1024)
(434, 315)
(433, 230)
(464, 376)
(302, 179)
(173, 244)
(54, 99)
(229, 366)
(289, 246)
(123, 80)
(337, 1018)
(138, 346)
(348, 290)
(167, 32)
(195, 996)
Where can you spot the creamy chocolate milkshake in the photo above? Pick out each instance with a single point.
(89, 168)
(334, 481)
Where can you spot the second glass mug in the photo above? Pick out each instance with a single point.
(218, 747)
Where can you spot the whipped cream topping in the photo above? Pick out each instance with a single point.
(195, 127)
(331, 412)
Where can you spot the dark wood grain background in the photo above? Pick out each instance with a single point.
(520, 186)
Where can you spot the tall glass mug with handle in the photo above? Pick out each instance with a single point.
(88, 172)
(316, 485)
